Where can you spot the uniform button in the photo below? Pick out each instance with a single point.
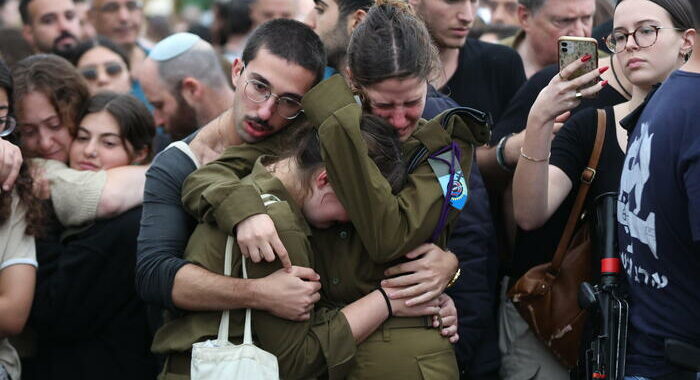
(335, 280)
(343, 235)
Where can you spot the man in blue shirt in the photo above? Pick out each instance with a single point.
(659, 225)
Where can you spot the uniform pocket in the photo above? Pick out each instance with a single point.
(440, 365)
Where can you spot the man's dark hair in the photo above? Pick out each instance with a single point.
(24, 11)
(235, 19)
(345, 7)
(532, 5)
(290, 40)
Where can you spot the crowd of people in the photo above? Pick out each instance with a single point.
(387, 171)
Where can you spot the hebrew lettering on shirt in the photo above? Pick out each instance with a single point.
(641, 275)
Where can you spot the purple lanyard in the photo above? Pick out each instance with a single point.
(455, 157)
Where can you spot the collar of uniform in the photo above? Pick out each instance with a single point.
(326, 98)
(266, 183)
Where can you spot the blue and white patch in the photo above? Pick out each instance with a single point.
(458, 191)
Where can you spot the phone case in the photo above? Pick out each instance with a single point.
(572, 49)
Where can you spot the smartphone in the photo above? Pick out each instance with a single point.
(572, 49)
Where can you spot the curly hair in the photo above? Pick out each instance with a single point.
(35, 214)
(58, 80)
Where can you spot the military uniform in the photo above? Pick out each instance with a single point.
(384, 226)
(352, 258)
(303, 349)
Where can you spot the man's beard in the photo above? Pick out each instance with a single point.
(65, 51)
(184, 121)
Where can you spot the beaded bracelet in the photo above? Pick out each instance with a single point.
(532, 159)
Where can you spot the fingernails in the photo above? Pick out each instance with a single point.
(603, 69)
(604, 83)
(586, 58)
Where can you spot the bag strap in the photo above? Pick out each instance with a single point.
(247, 333)
(587, 177)
(222, 337)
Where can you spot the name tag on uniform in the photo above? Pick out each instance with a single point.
(458, 191)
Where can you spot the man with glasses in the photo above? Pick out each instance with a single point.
(50, 26)
(542, 23)
(271, 77)
(185, 83)
(120, 21)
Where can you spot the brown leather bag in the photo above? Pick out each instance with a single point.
(547, 295)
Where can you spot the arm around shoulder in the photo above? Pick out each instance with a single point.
(122, 191)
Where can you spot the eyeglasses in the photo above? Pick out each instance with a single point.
(114, 6)
(644, 36)
(7, 125)
(113, 69)
(260, 92)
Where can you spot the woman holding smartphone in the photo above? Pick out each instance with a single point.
(650, 41)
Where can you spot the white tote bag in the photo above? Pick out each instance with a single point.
(220, 359)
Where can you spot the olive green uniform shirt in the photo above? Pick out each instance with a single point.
(351, 258)
(384, 226)
(303, 349)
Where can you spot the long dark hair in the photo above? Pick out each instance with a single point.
(383, 147)
(135, 122)
(391, 42)
(34, 216)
